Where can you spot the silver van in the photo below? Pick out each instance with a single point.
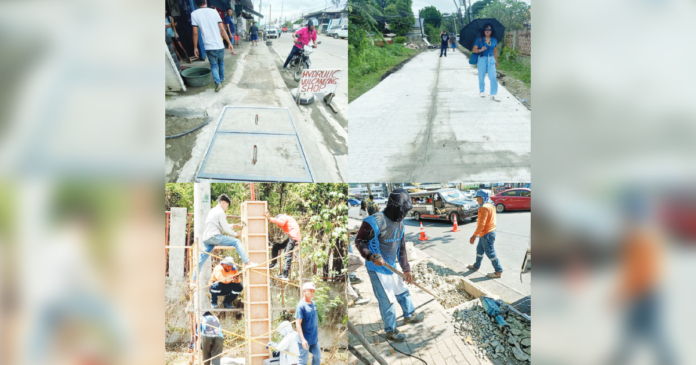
(443, 204)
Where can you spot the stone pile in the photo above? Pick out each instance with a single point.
(441, 281)
(481, 332)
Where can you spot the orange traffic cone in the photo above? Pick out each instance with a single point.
(455, 227)
(422, 234)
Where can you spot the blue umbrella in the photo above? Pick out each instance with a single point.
(472, 31)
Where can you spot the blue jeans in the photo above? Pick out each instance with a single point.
(486, 65)
(294, 51)
(216, 57)
(316, 353)
(443, 48)
(219, 240)
(387, 309)
(485, 245)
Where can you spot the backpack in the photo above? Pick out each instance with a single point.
(211, 326)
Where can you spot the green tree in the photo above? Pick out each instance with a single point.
(478, 6)
(512, 14)
(364, 13)
(431, 16)
(400, 17)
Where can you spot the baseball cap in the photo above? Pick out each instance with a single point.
(309, 285)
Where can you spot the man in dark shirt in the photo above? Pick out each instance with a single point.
(444, 42)
(254, 31)
(381, 240)
(229, 24)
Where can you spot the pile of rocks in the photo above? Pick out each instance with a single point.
(441, 281)
(480, 331)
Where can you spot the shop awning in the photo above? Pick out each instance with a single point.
(246, 9)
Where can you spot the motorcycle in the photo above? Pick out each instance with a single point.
(300, 61)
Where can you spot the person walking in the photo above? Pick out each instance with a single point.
(486, 46)
(308, 325)
(208, 21)
(301, 39)
(290, 343)
(372, 207)
(225, 281)
(170, 27)
(444, 42)
(254, 33)
(381, 240)
(453, 41)
(229, 25)
(363, 210)
(211, 338)
(215, 224)
(485, 230)
(289, 225)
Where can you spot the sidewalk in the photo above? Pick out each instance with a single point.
(251, 79)
(433, 340)
(427, 121)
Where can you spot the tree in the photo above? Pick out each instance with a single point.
(400, 17)
(364, 13)
(431, 16)
(478, 6)
(512, 14)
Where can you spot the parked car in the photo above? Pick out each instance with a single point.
(513, 199)
(339, 31)
(272, 33)
(380, 200)
(444, 204)
(353, 202)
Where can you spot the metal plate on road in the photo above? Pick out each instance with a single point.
(242, 150)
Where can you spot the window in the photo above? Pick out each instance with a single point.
(510, 193)
(525, 193)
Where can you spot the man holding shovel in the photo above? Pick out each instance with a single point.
(485, 230)
(380, 240)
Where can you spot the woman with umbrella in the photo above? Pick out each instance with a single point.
(486, 46)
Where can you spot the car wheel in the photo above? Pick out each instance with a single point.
(335, 36)
(417, 216)
(500, 208)
(451, 218)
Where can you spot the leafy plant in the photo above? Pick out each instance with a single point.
(399, 40)
(509, 54)
(512, 14)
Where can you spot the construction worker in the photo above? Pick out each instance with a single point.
(215, 224)
(290, 343)
(211, 338)
(381, 240)
(485, 230)
(225, 281)
(289, 225)
(308, 325)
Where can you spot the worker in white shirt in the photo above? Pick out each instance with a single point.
(215, 225)
(290, 343)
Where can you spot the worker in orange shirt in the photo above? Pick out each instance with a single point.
(226, 282)
(289, 225)
(485, 230)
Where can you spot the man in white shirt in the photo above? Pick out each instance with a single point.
(215, 225)
(211, 27)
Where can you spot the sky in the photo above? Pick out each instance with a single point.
(291, 9)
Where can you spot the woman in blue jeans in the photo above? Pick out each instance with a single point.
(486, 46)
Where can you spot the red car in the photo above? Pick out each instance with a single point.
(513, 199)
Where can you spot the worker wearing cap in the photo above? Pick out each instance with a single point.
(380, 240)
(485, 230)
(225, 281)
(308, 325)
(289, 225)
(290, 343)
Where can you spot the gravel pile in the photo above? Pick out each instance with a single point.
(480, 331)
(441, 281)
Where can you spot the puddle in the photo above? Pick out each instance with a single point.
(178, 150)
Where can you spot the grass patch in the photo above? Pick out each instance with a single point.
(519, 71)
(367, 65)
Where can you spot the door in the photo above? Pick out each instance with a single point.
(508, 198)
(525, 198)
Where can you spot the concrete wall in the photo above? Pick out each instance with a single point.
(520, 40)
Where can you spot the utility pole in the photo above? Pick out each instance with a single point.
(281, 16)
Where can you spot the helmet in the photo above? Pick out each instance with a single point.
(310, 23)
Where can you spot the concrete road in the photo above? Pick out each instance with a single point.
(426, 122)
(331, 53)
(252, 79)
(454, 250)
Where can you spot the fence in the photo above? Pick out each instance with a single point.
(520, 40)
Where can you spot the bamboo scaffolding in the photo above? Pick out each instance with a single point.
(254, 340)
(267, 334)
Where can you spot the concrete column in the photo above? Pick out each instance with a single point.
(201, 208)
(515, 36)
(177, 237)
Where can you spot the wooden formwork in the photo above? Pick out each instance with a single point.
(257, 302)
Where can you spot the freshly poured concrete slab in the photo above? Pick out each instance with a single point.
(244, 120)
(279, 158)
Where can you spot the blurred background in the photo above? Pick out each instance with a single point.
(81, 163)
(614, 224)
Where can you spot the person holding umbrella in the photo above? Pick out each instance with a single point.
(486, 46)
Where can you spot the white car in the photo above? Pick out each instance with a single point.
(272, 33)
(338, 32)
(380, 200)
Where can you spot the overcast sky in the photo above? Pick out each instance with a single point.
(444, 6)
(292, 9)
